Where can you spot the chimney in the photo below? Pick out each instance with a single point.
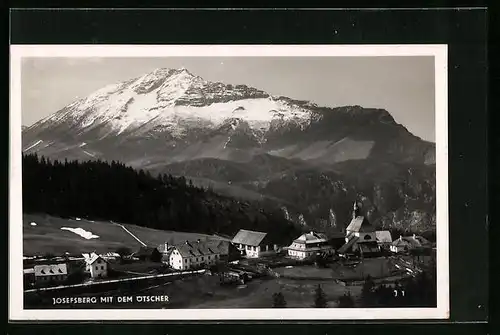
(400, 237)
(414, 237)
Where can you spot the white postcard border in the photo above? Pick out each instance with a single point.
(17, 52)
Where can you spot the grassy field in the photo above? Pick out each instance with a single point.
(46, 236)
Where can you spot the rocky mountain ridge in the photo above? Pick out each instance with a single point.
(245, 142)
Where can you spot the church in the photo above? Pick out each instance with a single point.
(360, 236)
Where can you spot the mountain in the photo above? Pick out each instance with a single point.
(245, 142)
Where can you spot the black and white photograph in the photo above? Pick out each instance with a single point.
(228, 182)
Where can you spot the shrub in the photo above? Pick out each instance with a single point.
(320, 300)
(279, 300)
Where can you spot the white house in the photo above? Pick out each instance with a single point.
(194, 254)
(309, 244)
(254, 244)
(96, 265)
(46, 273)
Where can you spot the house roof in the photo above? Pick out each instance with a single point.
(93, 257)
(413, 241)
(400, 242)
(360, 224)
(112, 254)
(249, 237)
(423, 241)
(383, 236)
(50, 270)
(198, 248)
(223, 246)
(348, 245)
(311, 237)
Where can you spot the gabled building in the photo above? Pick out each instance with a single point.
(410, 243)
(309, 244)
(360, 235)
(254, 244)
(193, 254)
(226, 250)
(47, 273)
(96, 265)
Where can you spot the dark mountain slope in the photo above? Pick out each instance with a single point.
(111, 191)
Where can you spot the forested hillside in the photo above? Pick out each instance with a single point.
(112, 191)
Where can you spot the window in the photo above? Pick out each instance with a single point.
(368, 237)
(202, 258)
(102, 267)
(96, 267)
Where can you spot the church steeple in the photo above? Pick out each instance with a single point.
(355, 211)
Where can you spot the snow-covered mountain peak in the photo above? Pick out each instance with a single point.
(176, 100)
(173, 77)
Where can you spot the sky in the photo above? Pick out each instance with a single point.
(403, 85)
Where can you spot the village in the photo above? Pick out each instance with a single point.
(237, 270)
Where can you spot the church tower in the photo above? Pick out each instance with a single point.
(355, 211)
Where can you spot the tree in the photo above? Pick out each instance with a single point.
(346, 301)
(367, 295)
(279, 300)
(320, 300)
